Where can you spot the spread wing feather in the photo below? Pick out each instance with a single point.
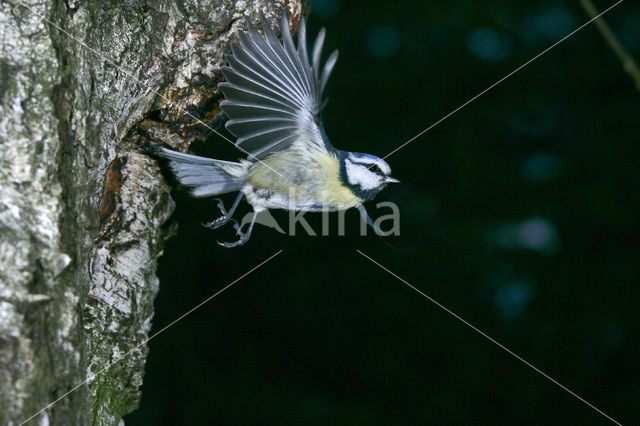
(273, 94)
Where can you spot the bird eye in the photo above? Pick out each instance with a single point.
(375, 169)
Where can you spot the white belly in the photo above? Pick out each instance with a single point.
(262, 199)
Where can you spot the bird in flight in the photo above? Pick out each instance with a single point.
(273, 98)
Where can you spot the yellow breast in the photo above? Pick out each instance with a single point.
(306, 176)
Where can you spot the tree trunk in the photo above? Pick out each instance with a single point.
(83, 85)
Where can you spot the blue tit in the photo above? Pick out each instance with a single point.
(273, 98)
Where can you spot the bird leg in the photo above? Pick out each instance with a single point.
(226, 216)
(244, 236)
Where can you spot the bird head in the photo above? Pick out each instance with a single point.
(364, 174)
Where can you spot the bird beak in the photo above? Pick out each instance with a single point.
(389, 179)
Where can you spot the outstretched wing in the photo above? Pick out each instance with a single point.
(273, 95)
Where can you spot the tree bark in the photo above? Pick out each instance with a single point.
(82, 207)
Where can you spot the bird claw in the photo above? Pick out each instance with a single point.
(225, 218)
(217, 223)
(221, 206)
(244, 236)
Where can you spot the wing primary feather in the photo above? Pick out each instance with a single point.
(241, 83)
(246, 65)
(265, 131)
(279, 52)
(273, 92)
(249, 55)
(253, 127)
(240, 75)
(235, 93)
(263, 118)
(289, 47)
(317, 51)
(328, 67)
(266, 50)
(303, 55)
(241, 109)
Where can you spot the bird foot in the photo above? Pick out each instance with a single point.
(222, 220)
(244, 236)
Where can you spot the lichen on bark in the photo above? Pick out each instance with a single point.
(83, 210)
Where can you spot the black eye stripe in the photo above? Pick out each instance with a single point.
(373, 167)
(376, 169)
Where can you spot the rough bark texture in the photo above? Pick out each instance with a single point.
(81, 206)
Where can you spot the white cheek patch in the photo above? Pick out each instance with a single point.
(360, 175)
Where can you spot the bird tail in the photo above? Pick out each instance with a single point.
(205, 176)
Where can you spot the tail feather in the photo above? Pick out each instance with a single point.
(205, 176)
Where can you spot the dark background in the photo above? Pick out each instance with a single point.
(519, 213)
